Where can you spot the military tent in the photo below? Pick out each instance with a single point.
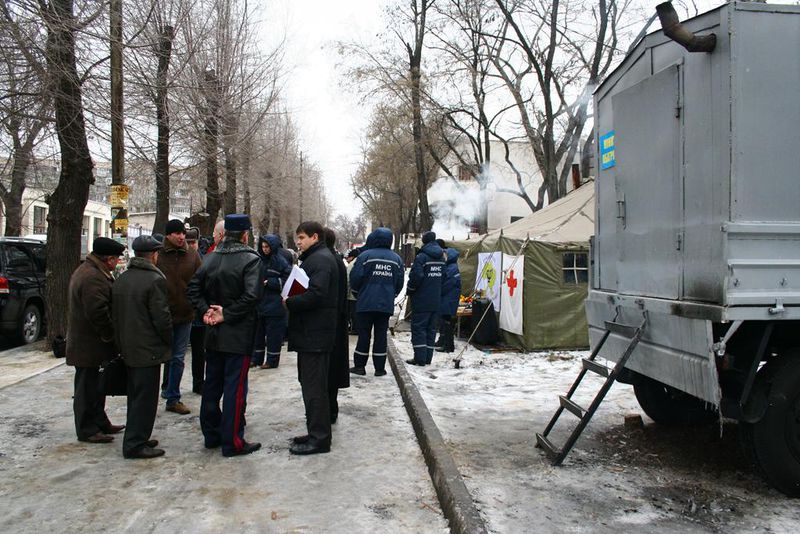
(554, 242)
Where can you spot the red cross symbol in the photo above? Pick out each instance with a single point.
(512, 283)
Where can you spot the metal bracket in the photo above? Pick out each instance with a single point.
(778, 309)
(720, 347)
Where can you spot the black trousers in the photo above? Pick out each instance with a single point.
(197, 338)
(313, 373)
(446, 340)
(143, 389)
(351, 316)
(89, 403)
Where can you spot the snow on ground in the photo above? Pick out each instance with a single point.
(617, 478)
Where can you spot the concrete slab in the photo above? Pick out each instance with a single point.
(23, 362)
(373, 480)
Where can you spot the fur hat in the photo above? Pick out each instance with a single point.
(175, 226)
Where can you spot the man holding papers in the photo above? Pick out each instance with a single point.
(312, 305)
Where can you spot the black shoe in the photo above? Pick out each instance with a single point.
(358, 371)
(309, 448)
(247, 449)
(98, 438)
(113, 429)
(412, 361)
(297, 440)
(144, 453)
(445, 349)
(380, 372)
(152, 443)
(211, 445)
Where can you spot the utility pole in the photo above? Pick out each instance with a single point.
(301, 186)
(118, 197)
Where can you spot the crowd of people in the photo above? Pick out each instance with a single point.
(229, 303)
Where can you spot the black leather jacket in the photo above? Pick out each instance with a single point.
(228, 277)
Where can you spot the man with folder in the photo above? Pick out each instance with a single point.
(312, 332)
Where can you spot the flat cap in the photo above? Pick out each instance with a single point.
(105, 246)
(192, 234)
(237, 222)
(146, 243)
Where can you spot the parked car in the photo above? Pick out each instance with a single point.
(22, 276)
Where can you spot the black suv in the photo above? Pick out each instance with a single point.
(22, 266)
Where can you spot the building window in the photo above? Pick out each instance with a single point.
(98, 228)
(39, 220)
(575, 266)
(85, 226)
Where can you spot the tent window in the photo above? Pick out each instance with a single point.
(575, 266)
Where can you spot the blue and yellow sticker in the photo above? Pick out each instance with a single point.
(607, 157)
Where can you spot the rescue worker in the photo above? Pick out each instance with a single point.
(425, 289)
(143, 329)
(90, 338)
(271, 325)
(376, 279)
(225, 292)
(451, 291)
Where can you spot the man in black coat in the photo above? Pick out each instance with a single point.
(338, 370)
(225, 291)
(312, 334)
(143, 330)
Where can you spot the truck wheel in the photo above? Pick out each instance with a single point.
(30, 326)
(668, 406)
(773, 443)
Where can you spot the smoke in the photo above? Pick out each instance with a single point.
(455, 206)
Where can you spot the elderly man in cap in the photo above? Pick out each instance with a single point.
(225, 291)
(198, 333)
(178, 262)
(143, 329)
(90, 338)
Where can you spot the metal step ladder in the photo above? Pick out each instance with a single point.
(634, 333)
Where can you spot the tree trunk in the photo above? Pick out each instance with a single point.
(210, 144)
(162, 119)
(230, 180)
(426, 221)
(68, 201)
(12, 198)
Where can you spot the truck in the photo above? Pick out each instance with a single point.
(697, 229)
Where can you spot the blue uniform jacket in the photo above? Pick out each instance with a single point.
(426, 278)
(451, 286)
(377, 276)
(274, 273)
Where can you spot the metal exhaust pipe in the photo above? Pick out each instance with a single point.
(674, 30)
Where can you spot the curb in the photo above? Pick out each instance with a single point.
(454, 497)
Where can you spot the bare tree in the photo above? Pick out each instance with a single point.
(557, 53)
(25, 112)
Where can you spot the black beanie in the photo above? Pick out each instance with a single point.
(174, 226)
(427, 237)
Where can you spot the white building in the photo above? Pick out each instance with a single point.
(96, 218)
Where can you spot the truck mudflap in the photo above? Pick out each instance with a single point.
(674, 350)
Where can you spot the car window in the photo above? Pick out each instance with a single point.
(39, 254)
(18, 261)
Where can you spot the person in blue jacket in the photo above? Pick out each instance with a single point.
(271, 325)
(376, 279)
(425, 291)
(451, 291)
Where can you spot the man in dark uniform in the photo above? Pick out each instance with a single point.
(312, 334)
(90, 338)
(376, 279)
(225, 291)
(143, 329)
(425, 290)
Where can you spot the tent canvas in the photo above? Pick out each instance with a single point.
(553, 305)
